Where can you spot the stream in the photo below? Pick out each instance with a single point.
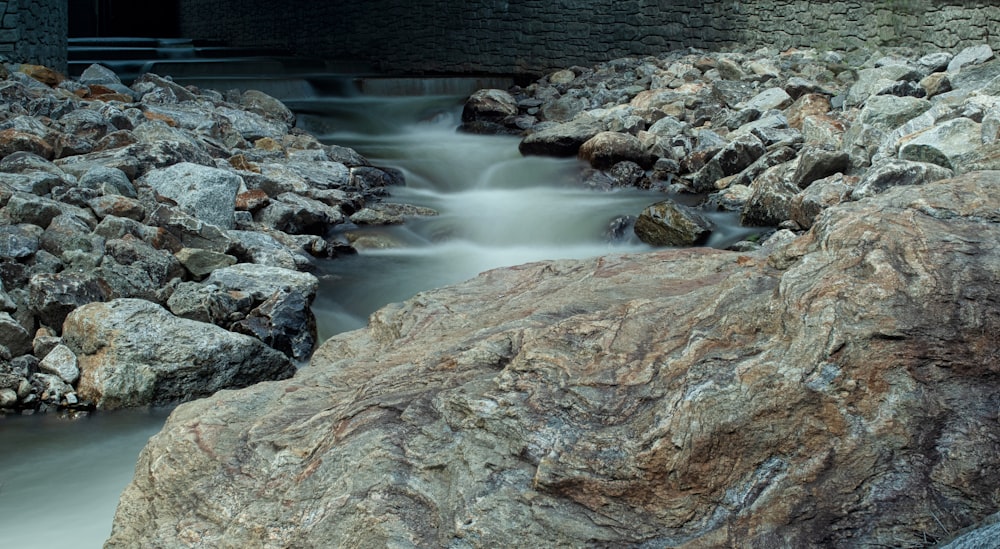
(60, 479)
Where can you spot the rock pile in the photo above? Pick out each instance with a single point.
(155, 240)
(775, 137)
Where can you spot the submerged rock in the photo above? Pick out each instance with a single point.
(835, 389)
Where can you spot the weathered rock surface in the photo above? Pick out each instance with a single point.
(667, 223)
(838, 390)
(132, 352)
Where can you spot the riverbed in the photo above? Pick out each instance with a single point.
(61, 478)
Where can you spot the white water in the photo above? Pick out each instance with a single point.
(496, 208)
(60, 479)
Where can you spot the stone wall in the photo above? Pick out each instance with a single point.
(34, 31)
(497, 36)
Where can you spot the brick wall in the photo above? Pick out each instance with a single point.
(534, 36)
(34, 31)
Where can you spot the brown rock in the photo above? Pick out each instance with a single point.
(812, 104)
(684, 398)
(240, 162)
(150, 115)
(12, 141)
(43, 74)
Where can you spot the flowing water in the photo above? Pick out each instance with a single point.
(496, 208)
(60, 479)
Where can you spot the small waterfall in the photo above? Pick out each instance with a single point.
(496, 208)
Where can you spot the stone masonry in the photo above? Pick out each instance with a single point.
(34, 31)
(534, 36)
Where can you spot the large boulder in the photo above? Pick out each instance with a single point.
(133, 352)
(840, 391)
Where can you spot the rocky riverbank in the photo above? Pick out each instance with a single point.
(833, 386)
(156, 241)
(777, 137)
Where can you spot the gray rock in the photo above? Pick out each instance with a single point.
(68, 233)
(26, 163)
(31, 209)
(43, 344)
(370, 178)
(296, 214)
(886, 175)
(935, 62)
(818, 196)
(190, 231)
(13, 336)
(53, 296)
(86, 123)
(874, 80)
(562, 139)
(984, 536)
(160, 359)
(733, 158)
(117, 206)
(489, 105)
(771, 197)
(943, 143)
(262, 281)
(285, 322)
(252, 126)
(777, 155)
(667, 223)
(263, 249)
(136, 159)
(8, 398)
(767, 121)
(107, 181)
(210, 303)
(973, 55)
(133, 268)
(769, 99)
(202, 262)
(322, 174)
(149, 82)
(608, 148)
(974, 77)
(208, 194)
(263, 104)
(61, 362)
(19, 241)
(817, 163)
(888, 112)
(389, 213)
(99, 74)
(51, 388)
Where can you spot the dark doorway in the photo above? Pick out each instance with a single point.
(158, 19)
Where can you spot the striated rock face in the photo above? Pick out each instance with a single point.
(838, 392)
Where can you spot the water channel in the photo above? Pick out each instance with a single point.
(60, 479)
